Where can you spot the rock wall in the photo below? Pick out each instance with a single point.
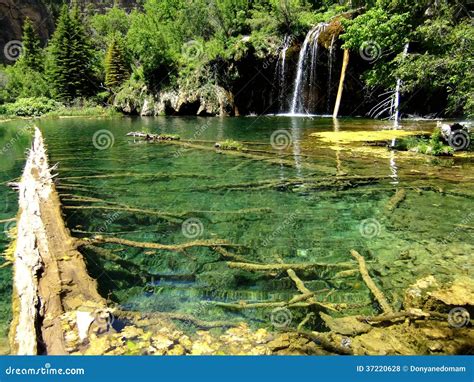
(42, 13)
(209, 101)
(12, 16)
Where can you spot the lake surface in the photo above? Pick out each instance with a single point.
(117, 186)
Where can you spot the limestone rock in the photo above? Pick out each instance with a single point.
(460, 293)
(349, 326)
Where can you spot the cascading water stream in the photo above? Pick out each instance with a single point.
(281, 71)
(396, 106)
(311, 41)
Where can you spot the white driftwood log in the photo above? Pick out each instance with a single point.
(50, 276)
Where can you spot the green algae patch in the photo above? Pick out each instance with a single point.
(347, 137)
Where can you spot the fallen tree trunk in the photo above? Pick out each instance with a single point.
(272, 159)
(148, 245)
(370, 283)
(302, 288)
(50, 276)
(286, 267)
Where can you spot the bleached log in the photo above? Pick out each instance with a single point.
(50, 276)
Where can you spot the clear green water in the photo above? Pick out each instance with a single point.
(420, 238)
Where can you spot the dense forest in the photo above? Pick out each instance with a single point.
(211, 57)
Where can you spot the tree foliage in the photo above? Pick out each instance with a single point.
(71, 57)
(31, 55)
(116, 65)
(200, 43)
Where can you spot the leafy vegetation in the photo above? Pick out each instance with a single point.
(195, 44)
(430, 146)
(30, 107)
(229, 144)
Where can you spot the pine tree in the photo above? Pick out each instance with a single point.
(71, 56)
(116, 65)
(31, 55)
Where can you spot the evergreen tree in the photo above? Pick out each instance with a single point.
(31, 55)
(71, 57)
(116, 64)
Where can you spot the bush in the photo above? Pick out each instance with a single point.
(31, 107)
(230, 145)
(434, 146)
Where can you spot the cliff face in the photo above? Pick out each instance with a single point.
(42, 13)
(12, 16)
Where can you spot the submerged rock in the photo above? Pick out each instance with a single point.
(461, 292)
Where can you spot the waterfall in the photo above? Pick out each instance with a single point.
(281, 71)
(396, 106)
(311, 41)
(391, 103)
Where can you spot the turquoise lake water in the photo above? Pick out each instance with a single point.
(276, 205)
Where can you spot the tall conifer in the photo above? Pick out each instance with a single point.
(71, 55)
(116, 65)
(31, 55)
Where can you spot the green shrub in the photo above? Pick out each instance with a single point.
(230, 145)
(432, 146)
(31, 107)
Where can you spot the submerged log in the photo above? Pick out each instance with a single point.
(302, 288)
(325, 342)
(272, 158)
(370, 283)
(396, 199)
(148, 245)
(50, 276)
(160, 316)
(286, 267)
